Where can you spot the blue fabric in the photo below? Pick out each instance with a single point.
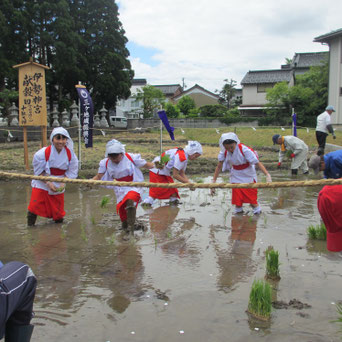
(163, 118)
(333, 164)
(294, 120)
(1, 264)
(87, 109)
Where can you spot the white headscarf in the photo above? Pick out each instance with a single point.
(62, 131)
(114, 146)
(228, 136)
(193, 147)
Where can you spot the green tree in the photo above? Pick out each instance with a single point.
(171, 110)
(109, 70)
(185, 104)
(308, 97)
(213, 111)
(288, 61)
(79, 40)
(227, 93)
(152, 99)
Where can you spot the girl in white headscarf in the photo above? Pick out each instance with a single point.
(177, 163)
(240, 160)
(57, 160)
(123, 167)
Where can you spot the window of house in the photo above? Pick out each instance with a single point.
(135, 103)
(261, 88)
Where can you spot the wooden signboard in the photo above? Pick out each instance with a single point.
(32, 100)
(32, 94)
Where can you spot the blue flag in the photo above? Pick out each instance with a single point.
(163, 118)
(294, 124)
(87, 109)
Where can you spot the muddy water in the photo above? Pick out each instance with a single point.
(186, 278)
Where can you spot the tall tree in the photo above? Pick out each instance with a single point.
(227, 93)
(109, 70)
(151, 97)
(80, 40)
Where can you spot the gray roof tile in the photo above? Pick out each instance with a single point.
(266, 76)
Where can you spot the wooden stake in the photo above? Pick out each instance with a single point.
(25, 148)
(44, 133)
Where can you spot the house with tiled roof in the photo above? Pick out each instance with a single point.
(254, 86)
(170, 90)
(256, 82)
(334, 41)
(200, 95)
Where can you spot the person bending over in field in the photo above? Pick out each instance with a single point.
(123, 167)
(240, 160)
(174, 160)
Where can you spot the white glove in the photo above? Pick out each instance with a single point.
(268, 178)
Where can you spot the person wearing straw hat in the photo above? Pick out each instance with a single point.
(240, 160)
(177, 160)
(57, 160)
(298, 149)
(17, 292)
(329, 205)
(330, 164)
(323, 127)
(123, 167)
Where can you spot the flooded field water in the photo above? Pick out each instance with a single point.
(186, 278)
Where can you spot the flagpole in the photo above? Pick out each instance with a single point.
(79, 133)
(161, 137)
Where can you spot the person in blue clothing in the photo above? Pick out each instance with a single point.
(17, 292)
(330, 164)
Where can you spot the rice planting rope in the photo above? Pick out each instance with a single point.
(272, 185)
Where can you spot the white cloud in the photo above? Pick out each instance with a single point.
(208, 41)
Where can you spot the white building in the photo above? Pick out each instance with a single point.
(334, 41)
(132, 108)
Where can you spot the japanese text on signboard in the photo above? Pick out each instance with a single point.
(32, 96)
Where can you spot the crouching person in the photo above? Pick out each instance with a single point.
(57, 160)
(240, 160)
(177, 163)
(123, 167)
(17, 291)
(299, 152)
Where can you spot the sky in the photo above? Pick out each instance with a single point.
(208, 41)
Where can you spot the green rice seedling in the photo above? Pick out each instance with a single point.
(272, 264)
(105, 200)
(169, 235)
(83, 233)
(164, 159)
(112, 239)
(265, 220)
(93, 220)
(318, 232)
(260, 300)
(339, 311)
(250, 219)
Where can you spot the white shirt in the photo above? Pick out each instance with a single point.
(323, 120)
(247, 175)
(174, 162)
(125, 168)
(56, 160)
(293, 144)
